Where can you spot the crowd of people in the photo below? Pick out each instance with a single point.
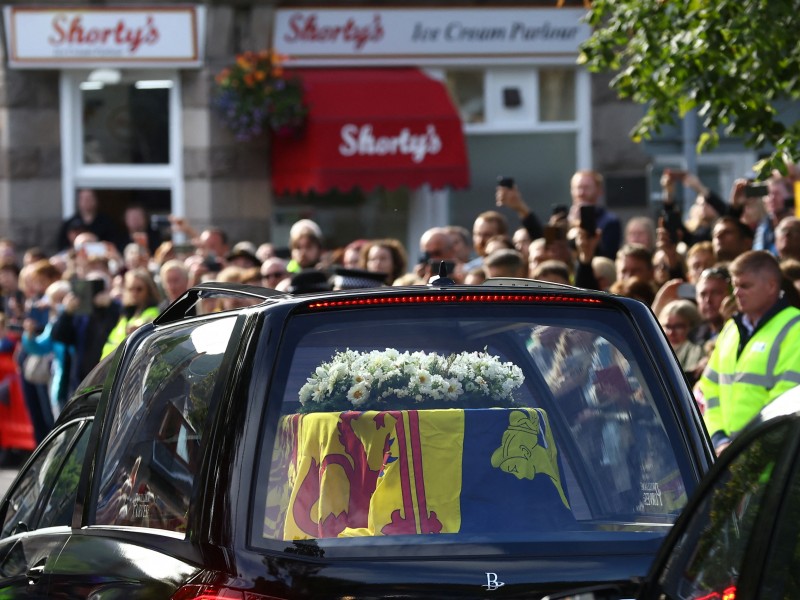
(723, 282)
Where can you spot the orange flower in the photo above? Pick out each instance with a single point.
(222, 76)
(242, 61)
(249, 80)
(260, 75)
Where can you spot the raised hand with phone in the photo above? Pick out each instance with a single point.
(507, 194)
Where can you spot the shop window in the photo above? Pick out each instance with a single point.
(556, 94)
(514, 97)
(467, 90)
(126, 122)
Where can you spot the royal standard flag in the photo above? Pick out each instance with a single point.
(415, 472)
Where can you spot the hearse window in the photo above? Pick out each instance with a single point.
(451, 423)
(157, 431)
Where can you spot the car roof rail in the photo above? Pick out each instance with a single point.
(183, 306)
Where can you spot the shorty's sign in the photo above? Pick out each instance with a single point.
(391, 36)
(48, 37)
(361, 141)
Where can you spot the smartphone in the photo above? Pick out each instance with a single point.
(503, 181)
(756, 190)
(85, 290)
(95, 249)
(589, 219)
(673, 224)
(687, 291)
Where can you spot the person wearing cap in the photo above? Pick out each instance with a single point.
(305, 242)
(243, 255)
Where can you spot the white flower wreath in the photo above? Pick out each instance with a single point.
(389, 379)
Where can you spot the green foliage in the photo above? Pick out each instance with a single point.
(731, 60)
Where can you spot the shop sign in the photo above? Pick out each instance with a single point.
(393, 36)
(362, 141)
(120, 36)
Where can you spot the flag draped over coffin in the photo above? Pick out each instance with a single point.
(415, 472)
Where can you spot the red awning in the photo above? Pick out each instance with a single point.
(371, 128)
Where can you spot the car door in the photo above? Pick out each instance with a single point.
(37, 510)
(728, 545)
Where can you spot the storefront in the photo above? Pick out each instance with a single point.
(511, 76)
(119, 106)
(414, 112)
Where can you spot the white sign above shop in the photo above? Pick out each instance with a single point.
(119, 36)
(391, 36)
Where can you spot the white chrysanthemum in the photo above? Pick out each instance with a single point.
(453, 389)
(358, 394)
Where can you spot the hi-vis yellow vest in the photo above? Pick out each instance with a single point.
(737, 388)
(120, 331)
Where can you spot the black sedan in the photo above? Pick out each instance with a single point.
(507, 440)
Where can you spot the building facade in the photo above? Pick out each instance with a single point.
(119, 98)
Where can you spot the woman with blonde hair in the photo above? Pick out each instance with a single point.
(677, 319)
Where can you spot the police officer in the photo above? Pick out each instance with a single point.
(755, 358)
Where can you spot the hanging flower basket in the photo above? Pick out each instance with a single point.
(254, 95)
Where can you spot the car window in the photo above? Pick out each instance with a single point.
(707, 560)
(58, 510)
(781, 577)
(157, 425)
(36, 481)
(481, 423)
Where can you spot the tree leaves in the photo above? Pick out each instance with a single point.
(732, 60)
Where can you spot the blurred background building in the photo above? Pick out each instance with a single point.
(413, 113)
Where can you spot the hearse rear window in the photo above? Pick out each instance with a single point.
(470, 423)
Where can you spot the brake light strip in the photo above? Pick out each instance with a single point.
(450, 298)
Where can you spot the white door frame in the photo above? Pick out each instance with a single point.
(75, 174)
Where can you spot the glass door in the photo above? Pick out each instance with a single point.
(121, 131)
